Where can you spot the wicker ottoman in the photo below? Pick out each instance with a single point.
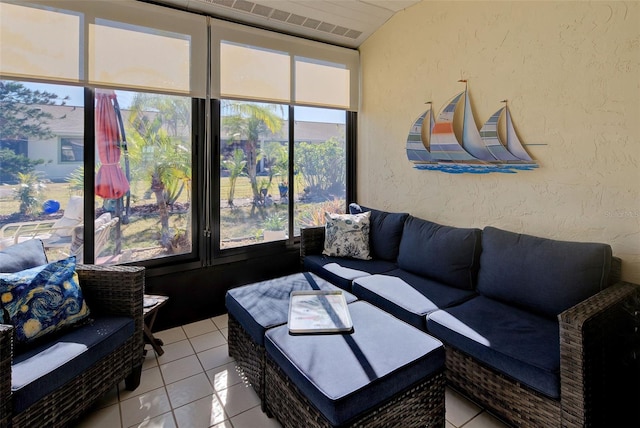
(257, 307)
(385, 373)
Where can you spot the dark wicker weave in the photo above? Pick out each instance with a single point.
(590, 356)
(116, 290)
(421, 405)
(248, 354)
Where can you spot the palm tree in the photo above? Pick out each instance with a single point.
(159, 154)
(250, 120)
(235, 165)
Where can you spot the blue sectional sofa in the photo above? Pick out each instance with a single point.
(530, 325)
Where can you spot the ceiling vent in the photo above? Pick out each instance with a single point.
(266, 12)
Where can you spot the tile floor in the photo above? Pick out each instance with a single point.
(194, 384)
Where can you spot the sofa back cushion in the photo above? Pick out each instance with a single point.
(385, 232)
(443, 253)
(542, 275)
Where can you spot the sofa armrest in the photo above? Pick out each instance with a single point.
(311, 241)
(589, 349)
(6, 356)
(116, 290)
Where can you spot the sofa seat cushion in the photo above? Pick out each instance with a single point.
(341, 271)
(265, 304)
(345, 375)
(538, 274)
(407, 296)
(446, 254)
(519, 344)
(385, 231)
(45, 368)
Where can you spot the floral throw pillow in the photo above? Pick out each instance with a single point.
(42, 299)
(347, 235)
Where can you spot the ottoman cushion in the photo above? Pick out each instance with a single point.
(345, 375)
(265, 304)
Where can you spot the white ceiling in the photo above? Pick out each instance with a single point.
(340, 22)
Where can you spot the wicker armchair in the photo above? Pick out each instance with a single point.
(112, 290)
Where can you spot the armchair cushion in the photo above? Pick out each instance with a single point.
(22, 256)
(42, 299)
(40, 371)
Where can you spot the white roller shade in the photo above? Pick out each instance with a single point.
(40, 43)
(122, 44)
(256, 73)
(322, 84)
(249, 63)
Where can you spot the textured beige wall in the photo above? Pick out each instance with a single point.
(571, 72)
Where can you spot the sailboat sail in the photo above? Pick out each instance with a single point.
(416, 144)
(471, 139)
(444, 144)
(513, 142)
(491, 139)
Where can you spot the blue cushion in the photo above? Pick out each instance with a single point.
(265, 304)
(344, 375)
(43, 299)
(524, 346)
(542, 275)
(446, 254)
(407, 296)
(341, 271)
(385, 231)
(47, 367)
(23, 256)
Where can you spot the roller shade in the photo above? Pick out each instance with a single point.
(124, 44)
(38, 43)
(250, 63)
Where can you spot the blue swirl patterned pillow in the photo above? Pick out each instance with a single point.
(42, 299)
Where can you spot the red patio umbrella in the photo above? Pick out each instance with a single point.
(111, 182)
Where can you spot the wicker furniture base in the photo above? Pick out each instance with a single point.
(249, 356)
(421, 405)
(506, 398)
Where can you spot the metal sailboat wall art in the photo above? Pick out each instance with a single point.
(433, 145)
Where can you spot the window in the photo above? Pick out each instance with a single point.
(144, 173)
(71, 150)
(254, 152)
(319, 165)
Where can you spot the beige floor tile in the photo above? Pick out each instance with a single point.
(149, 358)
(448, 424)
(221, 321)
(163, 421)
(459, 410)
(485, 420)
(106, 417)
(202, 413)
(224, 376)
(171, 335)
(199, 327)
(175, 351)
(190, 389)
(144, 407)
(207, 341)
(254, 418)
(225, 333)
(181, 369)
(238, 398)
(215, 357)
(151, 379)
